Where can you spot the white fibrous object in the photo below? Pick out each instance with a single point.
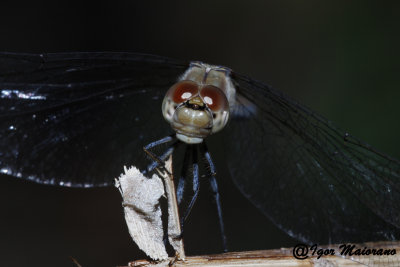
(141, 196)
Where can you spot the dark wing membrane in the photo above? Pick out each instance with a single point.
(76, 119)
(312, 180)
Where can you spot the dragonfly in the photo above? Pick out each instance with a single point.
(74, 119)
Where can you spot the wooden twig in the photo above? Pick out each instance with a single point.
(174, 226)
(284, 257)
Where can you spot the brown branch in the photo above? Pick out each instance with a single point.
(284, 257)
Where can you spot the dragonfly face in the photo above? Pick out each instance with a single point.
(198, 104)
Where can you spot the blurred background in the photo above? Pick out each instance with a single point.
(340, 58)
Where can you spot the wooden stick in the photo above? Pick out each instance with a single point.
(174, 226)
(284, 257)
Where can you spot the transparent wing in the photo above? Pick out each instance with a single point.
(76, 119)
(312, 180)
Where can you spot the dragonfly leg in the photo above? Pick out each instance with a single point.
(182, 178)
(159, 142)
(214, 187)
(156, 161)
(196, 185)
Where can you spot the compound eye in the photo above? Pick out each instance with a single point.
(214, 98)
(182, 91)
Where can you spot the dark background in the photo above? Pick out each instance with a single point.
(339, 58)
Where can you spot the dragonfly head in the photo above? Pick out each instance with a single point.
(195, 111)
